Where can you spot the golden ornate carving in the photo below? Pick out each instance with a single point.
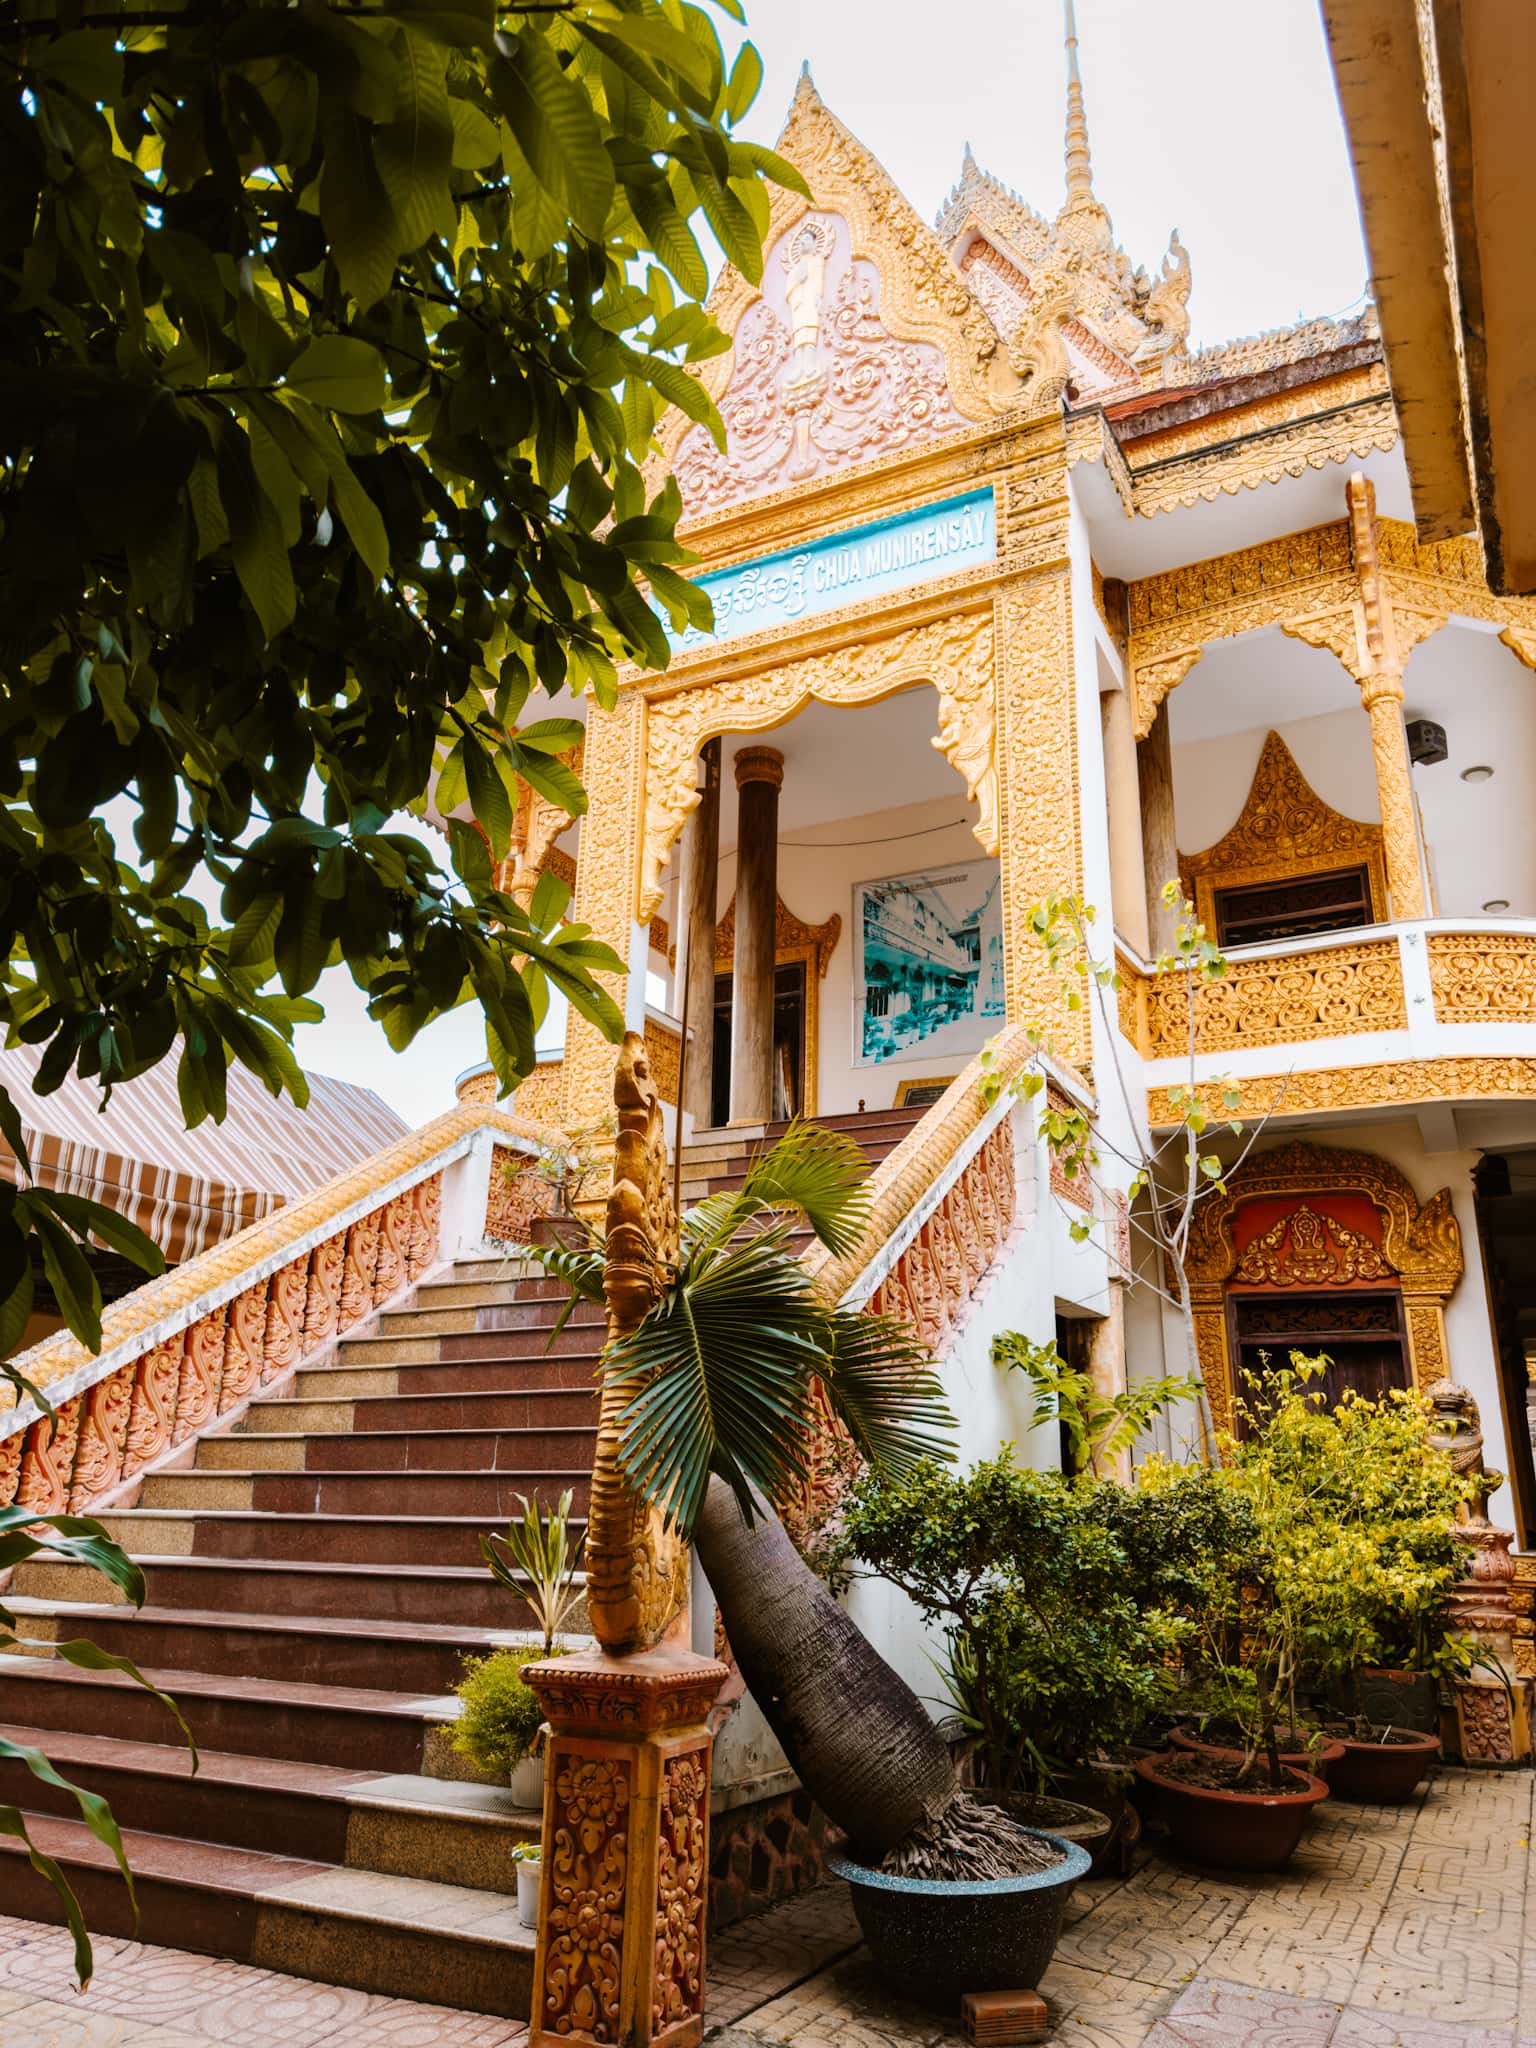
(389, 1274)
(664, 1052)
(10, 1468)
(1253, 421)
(1397, 1084)
(922, 298)
(1420, 1244)
(322, 1304)
(605, 889)
(637, 1571)
(588, 1820)
(516, 1195)
(1296, 442)
(426, 1213)
(1280, 999)
(286, 1296)
(951, 652)
(1304, 1249)
(678, 1994)
(1285, 830)
(1483, 977)
(1041, 825)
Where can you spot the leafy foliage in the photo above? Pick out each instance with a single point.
(1099, 1427)
(499, 1715)
(1059, 1622)
(734, 1368)
(332, 341)
(23, 1535)
(545, 1564)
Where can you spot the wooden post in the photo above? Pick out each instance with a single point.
(1159, 839)
(700, 916)
(759, 777)
(1127, 865)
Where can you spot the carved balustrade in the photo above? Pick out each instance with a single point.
(188, 1349)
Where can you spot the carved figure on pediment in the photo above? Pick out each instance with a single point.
(1166, 310)
(1304, 1249)
(805, 282)
(1037, 349)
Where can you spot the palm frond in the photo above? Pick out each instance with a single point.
(713, 1222)
(823, 1174)
(720, 1375)
(882, 1386)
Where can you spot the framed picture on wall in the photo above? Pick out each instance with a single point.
(927, 964)
(922, 1094)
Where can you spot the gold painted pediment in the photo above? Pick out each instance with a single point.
(861, 340)
(1285, 830)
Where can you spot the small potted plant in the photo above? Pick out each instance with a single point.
(501, 1723)
(530, 1865)
(539, 1562)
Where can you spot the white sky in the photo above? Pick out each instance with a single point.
(1216, 117)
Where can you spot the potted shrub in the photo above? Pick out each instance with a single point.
(528, 1857)
(1063, 1606)
(542, 1569)
(1370, 1507)
(501, 1723)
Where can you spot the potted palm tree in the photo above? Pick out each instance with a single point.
(731, 1379)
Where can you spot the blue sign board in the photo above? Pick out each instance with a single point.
(846, 568)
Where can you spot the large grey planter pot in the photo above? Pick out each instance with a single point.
(934, 1940)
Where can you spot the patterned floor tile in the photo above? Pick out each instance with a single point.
(1216, 2014)
(1402, 2030)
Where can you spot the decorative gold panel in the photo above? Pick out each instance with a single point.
(1280, 1000)
(1392, 1084)
(1285, 831)
(1483, 977)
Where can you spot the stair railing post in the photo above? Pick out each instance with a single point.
(624, 1877)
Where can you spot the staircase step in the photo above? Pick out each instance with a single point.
(299, 1538)
(530, 1408)
(476, 1365)
(402, 1937)
(399, 1823)
(403, 1450)
(438, 1593)
(420, 1657)
(488, 1496)
(353, 1728)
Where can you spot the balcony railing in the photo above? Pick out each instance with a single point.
(1409, 978)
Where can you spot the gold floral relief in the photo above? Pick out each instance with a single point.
(682, 1891)
(1483, 977)
(587, 1861)
(1396, 1084)
(1281, 999)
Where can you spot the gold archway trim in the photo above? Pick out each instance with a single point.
(1284, 830)
(1421, 1243)
(954, 653)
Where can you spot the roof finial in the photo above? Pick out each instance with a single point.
(1079, 167)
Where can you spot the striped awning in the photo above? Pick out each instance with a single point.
(190, 1189)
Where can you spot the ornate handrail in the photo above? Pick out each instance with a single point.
(199, 1341)
(942, 1203)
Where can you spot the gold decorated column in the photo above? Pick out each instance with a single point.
(1381, 692)
(607, 864)
(623, 1883)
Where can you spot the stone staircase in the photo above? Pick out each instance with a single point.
(314, 1582)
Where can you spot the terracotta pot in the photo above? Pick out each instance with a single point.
(1293, 1759)
(1384, 1773)
(1256, 1830)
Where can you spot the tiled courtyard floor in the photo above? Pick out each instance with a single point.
(1392, 1928)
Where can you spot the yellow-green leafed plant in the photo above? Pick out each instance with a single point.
(499, 1715)
(542, 1566)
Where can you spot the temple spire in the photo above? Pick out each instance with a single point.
(1079, 165)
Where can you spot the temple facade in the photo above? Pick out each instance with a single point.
(1018, 594)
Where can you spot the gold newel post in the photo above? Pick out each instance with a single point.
(624, 1885)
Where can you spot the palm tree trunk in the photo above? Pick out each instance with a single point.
(860, 1740)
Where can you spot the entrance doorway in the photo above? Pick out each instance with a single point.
(788, 1044)
(1359, 1330)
